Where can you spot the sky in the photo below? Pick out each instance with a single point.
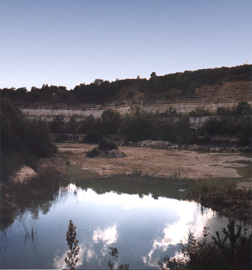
(68, 42)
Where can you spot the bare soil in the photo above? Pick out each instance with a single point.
(157, 163)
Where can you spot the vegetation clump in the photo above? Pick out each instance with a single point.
(233, 124)
(72, 255)
(224, 196)
(23, 141)
(230, 251)
(105, 149)
(177, 85)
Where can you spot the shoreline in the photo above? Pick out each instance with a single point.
(176, 166)
(168, 163)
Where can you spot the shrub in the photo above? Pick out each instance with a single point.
(22, 140)
(103, 146)
(86, 124)
(93, 153)
(110, 122)
(61, 138)
(107, 145)
(231, 251)
(245, 134)
(182, 130)
(137, 127)
(93, 136)
(38, 140)
(167, 131)
(71, 126)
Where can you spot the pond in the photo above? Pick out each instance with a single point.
(144, 225)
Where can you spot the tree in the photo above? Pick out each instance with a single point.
(23, 141)
(72, 255)
(153, 75)
(137, 127)
(110, 122)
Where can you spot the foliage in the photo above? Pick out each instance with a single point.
(86, 124)
(115, 265)
(22, 140)
(61, 138)
(93, 153)
(93, 136)
(243, 108)
(199, 112)
(107, 145)
(100, 91)
(72, 255)
(239, 126)
(71, 126)
(178, 131)
(37, 139)
(110, 122)
(137, 127)
(57, 125)
(232, 251)
(245, 134)
(103, 146)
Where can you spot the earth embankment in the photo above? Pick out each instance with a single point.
(177, 164)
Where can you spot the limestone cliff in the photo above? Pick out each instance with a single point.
(205, 89)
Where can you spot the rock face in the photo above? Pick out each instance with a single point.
(226, 93)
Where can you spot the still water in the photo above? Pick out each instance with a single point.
(144, 228)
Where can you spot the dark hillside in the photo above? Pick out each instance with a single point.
(188, 84)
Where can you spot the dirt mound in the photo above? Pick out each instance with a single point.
(115, 153)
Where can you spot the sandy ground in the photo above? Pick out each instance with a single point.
(155, 162)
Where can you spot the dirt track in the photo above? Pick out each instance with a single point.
(157, 163)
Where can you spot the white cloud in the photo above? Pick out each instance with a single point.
(174, 233)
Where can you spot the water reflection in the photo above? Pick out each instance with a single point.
(143, 229)
(108, 236)
(189, 218)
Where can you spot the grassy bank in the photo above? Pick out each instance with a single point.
(224, 196)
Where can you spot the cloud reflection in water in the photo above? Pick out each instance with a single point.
(108, 236)
(189, 218)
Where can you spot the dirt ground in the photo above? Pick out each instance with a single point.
(157, 163)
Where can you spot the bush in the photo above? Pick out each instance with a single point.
(61, 138)
(107, 145)
(93, 136)
(86, 124)
(110, 122)
(199, 112)
(38, 139)
(137, 127)
(182, 130)
(231, 251)
(103, 146)
(71, 126)
(23, 141)
(93, 153)
(245, 134)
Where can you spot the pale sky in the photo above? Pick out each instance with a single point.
(68, 42)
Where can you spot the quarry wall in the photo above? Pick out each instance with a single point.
(227, 94)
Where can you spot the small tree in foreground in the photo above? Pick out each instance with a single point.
(72, 255)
